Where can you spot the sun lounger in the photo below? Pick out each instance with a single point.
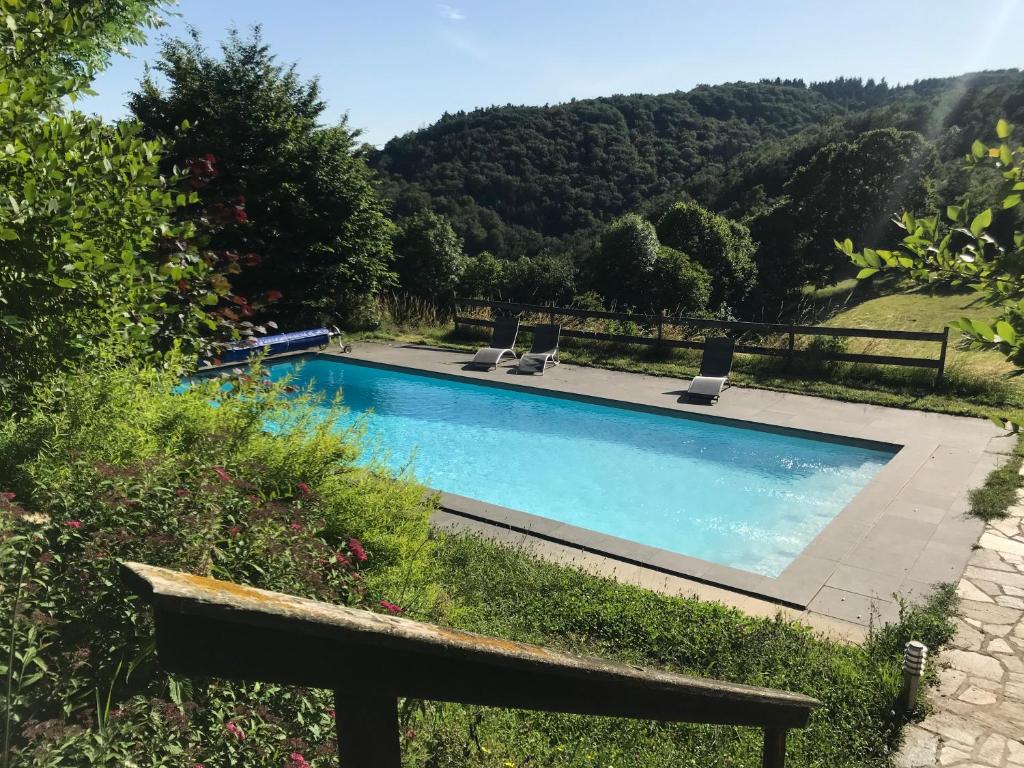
(543, 351)
(503, 342)
(715, 366)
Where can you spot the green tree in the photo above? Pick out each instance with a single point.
(625, 261)
(852, 188)
(430, 257)
(544, 278)
(484, 277)
(313, 215)
(966, 245)
(91, 250)
(720, 245)
(678, 284)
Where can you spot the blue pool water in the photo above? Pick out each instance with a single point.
(746, 498)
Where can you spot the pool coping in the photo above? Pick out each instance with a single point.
(904, 532)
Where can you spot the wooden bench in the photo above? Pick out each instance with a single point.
(211, 628)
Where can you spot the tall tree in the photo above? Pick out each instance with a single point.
(625, 261)
(852, 188)
(313, 215)
(720, 245)
(430, 257)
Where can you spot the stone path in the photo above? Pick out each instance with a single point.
(978, 717)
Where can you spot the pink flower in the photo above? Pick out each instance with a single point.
(181, 491)
(296, 760)
(222, 474)
(235, 731)
(390, 607)
(304, 489)
(8, 495)
(355, 546)
(296, 526)
(341, 559)
(76, 524)
(234, 530)
(410, 734)
(331, 713)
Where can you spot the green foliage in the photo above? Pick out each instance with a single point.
(91, 249)
(628, 252)
(852, 188)
(993, 499)
(498, 590)
(313, 215)
(543, 278)
(483, 277)
(430, 257)
(115, 465)
(967, 246)
(679, 285)
(722, 246)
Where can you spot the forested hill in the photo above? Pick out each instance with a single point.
(516, 179)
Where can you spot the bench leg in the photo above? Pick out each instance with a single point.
(774, 755)
(367, 731)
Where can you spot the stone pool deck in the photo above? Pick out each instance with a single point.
(978, 707)
(905, 532)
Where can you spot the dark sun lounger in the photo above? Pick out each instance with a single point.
(503, 342)
(715, 366)
(543, 351)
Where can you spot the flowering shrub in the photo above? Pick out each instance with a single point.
(114, 465)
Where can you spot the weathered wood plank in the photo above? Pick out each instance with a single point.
(213, 628)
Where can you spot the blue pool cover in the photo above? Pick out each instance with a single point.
(277, 343)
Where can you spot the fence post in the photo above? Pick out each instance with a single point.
(942, 356)
(661, 320)
(551, 314)
(367, 730)
(774, 753)
(791, 348)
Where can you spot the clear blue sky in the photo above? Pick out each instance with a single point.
(396, 65)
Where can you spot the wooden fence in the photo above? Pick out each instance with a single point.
(210, 628)
(659, 323)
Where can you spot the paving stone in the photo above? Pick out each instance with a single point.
(967, 637)
(990, 613)
(919, 748)
(1000, 577)
(990, 588)
(987, 558)
(975, 695)
(1015, 750)
(950, 755)
(999, 646)
(1010, 602)
(1014, 691)
(953, 727)
(950, 681)
(992, 750)
(976, 664)
(965, 590)
(1012, 663)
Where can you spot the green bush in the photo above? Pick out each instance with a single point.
(114, 464)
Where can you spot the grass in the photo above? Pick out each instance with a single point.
(504, 591)
(993, 499)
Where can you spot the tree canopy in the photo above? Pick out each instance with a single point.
(312, 215)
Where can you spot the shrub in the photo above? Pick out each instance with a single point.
(115, 465)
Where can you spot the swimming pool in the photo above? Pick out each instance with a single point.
(746, 498)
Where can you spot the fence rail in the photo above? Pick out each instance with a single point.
(660, 322)
(211, 628)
